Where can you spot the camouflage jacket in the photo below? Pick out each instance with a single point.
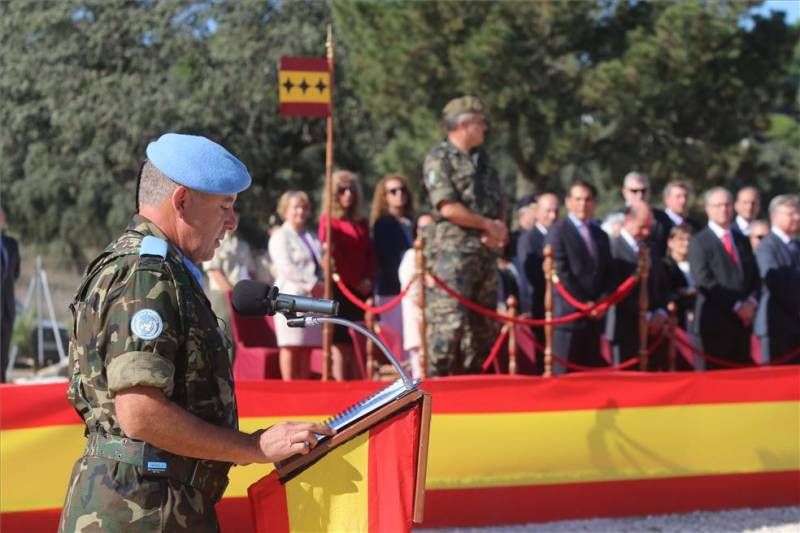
(144, 320)
(452, 175)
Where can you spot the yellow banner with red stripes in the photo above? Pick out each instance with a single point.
(641, 443)
(304, 87)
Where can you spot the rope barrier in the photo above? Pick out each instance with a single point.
(598, 310)
(498, 344)
(682, 338)
(571, 300)
(788, 357)
(367, 308)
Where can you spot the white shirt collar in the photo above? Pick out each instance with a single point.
(674, 217)
(576, 221)
(743, 225)
(629, 239)
(781, 235)
(541, 228)
(718, 230)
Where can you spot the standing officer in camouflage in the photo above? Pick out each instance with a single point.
(468, 233)
(150, 372)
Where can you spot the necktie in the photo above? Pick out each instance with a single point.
(727, 242)
(584, 231)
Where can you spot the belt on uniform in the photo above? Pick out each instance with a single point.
(210, 479)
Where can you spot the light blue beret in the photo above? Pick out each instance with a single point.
(198, 163)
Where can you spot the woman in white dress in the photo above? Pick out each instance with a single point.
(410, 308)
(296, 261)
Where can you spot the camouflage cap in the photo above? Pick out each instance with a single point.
(463, 104)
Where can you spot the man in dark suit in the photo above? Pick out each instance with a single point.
(530, 249)
(747, 208)
(622, 322)
(778, 318)
(636, 187)
(9, 272)
(675, 213)
(526, 220)
(530, 256)
(726, 275)
(583, 264)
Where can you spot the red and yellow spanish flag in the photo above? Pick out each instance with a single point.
(366, 484)
(304, 87)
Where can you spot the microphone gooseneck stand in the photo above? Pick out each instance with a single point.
(294, 321)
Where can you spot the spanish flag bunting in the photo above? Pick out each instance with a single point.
(366, 484)
(304, 87)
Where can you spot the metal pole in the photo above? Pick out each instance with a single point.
(327, 335)
(369, 320)
(39, 329)
(53, 322)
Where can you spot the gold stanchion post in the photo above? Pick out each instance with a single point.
(547, 266)
(511, 302)
(672, 307)
(644, 303)
(419, 246)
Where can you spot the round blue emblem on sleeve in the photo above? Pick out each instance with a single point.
(146, 324)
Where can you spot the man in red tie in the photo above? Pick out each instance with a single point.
(726, 275)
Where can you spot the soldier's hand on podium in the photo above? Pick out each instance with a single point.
(285, 439)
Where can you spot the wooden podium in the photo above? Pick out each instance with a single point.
(417, 398)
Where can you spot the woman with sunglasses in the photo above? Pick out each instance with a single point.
(354, 261)
(390, 219)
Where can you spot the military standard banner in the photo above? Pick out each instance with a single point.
(304, 87)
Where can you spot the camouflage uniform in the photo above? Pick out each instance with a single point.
(458, 339)
(187, 359)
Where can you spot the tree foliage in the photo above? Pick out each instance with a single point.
(679, 89)
(577, 88)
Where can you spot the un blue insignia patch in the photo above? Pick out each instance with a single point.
(146, 324)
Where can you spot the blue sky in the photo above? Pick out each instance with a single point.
(790, 7)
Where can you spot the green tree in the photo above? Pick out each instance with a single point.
(85, 85)
(573, 88)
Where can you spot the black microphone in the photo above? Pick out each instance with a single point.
(253, 298)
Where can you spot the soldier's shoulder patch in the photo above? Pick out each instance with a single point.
(433, 177)
(154, 246)
(147, 324)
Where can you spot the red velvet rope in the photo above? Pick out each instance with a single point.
(600, 308)
(492, 314)
(580, 306)
(362, 305)
(788, 357)
(583, 368)
(498, 343)
(682, 338)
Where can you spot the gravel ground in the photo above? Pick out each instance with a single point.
(770, 520)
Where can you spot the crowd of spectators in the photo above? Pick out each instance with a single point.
(735, 280)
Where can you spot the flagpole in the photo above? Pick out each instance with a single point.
(327, 335)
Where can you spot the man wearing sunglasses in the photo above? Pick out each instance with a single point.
(636, 187)
(468, 232)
